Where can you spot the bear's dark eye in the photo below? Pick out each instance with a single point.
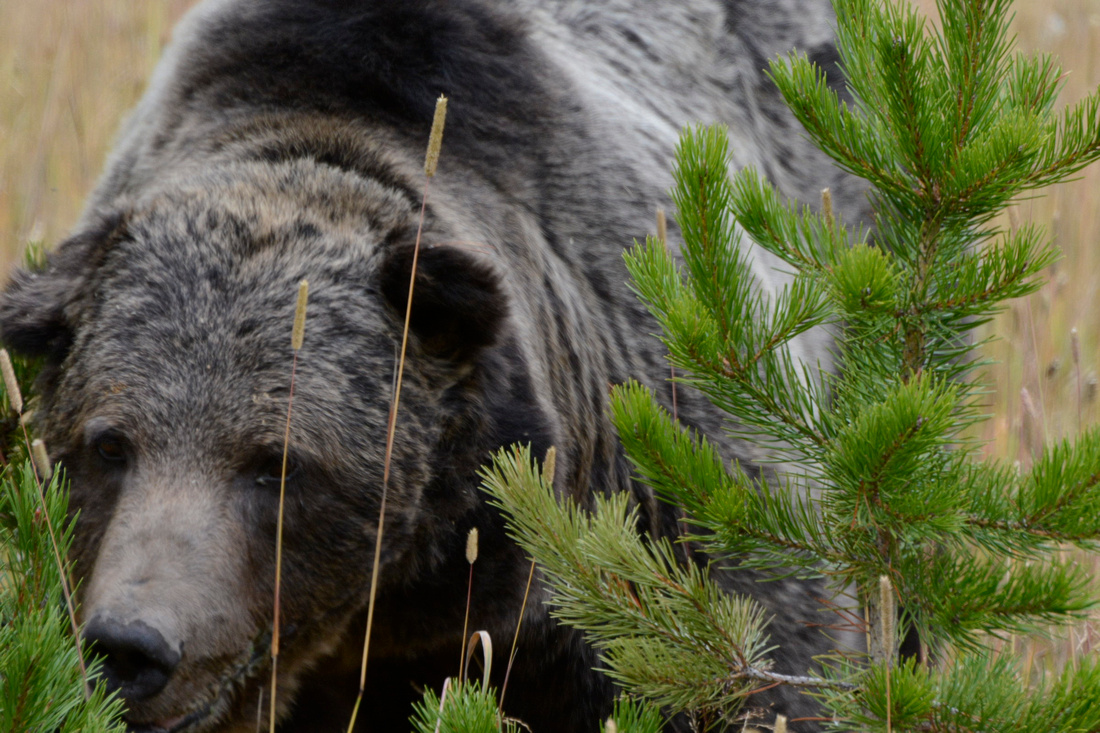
(110, 447)
(269, 469)
(106, 442)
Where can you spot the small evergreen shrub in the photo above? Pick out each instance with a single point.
(42, 688)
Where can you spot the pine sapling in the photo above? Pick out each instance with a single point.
(878, 485)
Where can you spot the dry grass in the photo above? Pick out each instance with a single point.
(70, 70)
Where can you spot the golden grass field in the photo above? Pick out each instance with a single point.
(69, 71)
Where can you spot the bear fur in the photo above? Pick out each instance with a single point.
(283, 139)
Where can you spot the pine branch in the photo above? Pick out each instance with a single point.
(41, 682)
(664, 630)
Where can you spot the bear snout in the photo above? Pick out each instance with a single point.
(137, 660)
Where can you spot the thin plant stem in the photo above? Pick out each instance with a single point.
(279, 546)
(466, 626)
(390, 430)
(549, 467)
(515, 638)
(297, 335)
(471, 558)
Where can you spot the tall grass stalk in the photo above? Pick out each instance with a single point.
(297, 335)
(471, 558)
(515, 638)
(431, 160)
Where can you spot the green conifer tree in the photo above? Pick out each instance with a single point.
(950, 127)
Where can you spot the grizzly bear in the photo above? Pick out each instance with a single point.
(284, 139)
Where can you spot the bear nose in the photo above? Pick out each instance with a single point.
(137, 661)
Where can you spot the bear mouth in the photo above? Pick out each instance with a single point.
(224, 692)
(198, 719)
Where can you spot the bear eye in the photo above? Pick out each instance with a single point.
(111, 448)
(269, 470)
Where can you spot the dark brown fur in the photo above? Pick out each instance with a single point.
(284, 140)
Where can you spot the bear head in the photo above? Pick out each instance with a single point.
(165, 324)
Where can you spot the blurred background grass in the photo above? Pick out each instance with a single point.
(69, 71)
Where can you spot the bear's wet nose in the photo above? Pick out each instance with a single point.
(137, 661)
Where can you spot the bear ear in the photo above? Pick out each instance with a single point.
(459, 305)
(39, 309)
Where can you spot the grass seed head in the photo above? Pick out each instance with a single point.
(471, 546)
(1029, 405)
(549, 464)
(300, 316)
(14, 395)
(886, 611)
(662, 227)
(41, 459)
(827, 206)
(435, 140)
